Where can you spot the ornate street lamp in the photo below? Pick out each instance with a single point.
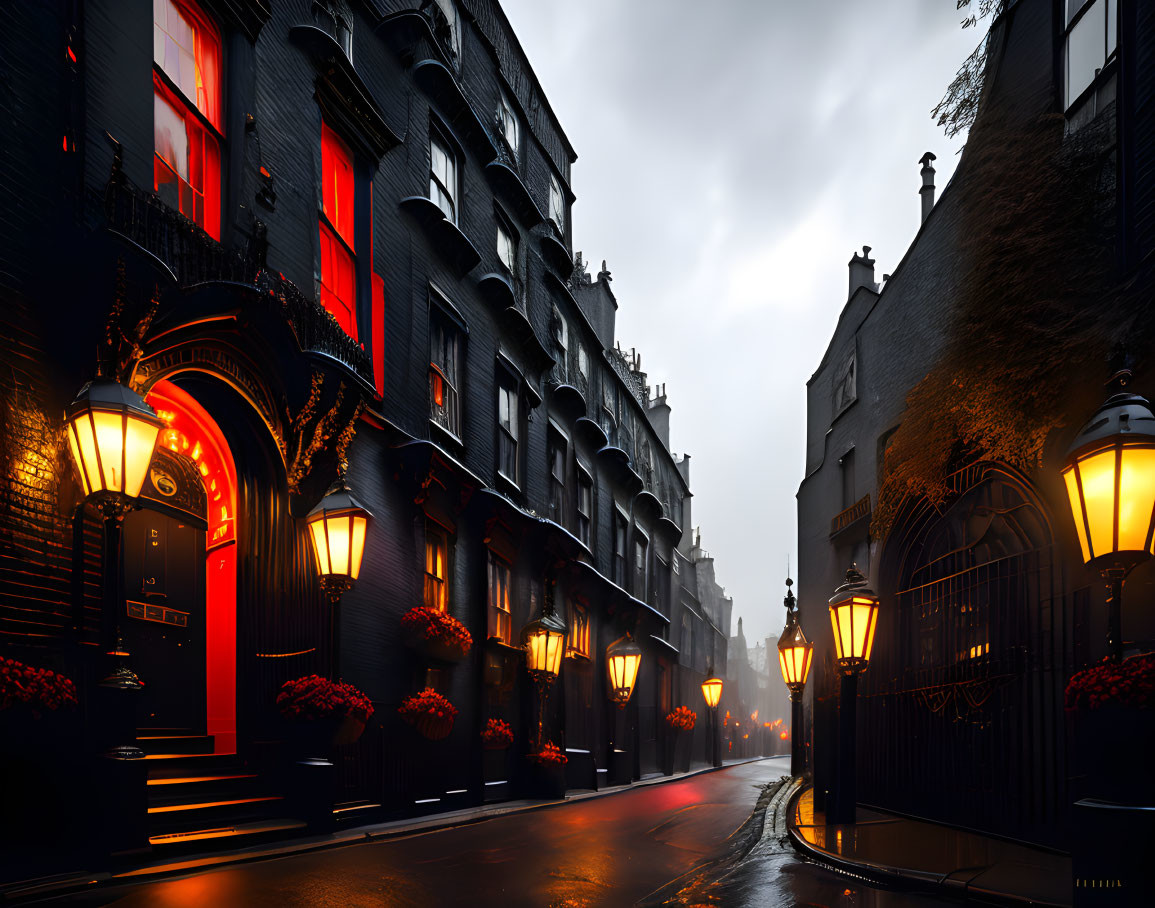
(112, 434)
(337, 527)
(795, 653)
(623, 657)
(1110, 480)
(854, 617)
(544, 641)
(712, 694)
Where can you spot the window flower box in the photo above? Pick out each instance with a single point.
(323, 714)
(435, 634)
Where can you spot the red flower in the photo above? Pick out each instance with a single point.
(435, 625)
(1127, 683)
(550, 755)
(427, 703)
(312, 697)
(682, 719)
(37, 688)
(497, 734)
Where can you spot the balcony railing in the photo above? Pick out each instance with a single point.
(194, 258)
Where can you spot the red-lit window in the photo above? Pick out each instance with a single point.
(338, 270)
(187, 112)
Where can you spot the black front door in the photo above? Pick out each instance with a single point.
(164, 620)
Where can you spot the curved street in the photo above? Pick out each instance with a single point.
(698, 840)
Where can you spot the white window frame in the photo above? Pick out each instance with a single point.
(506, 246)
(1081, 17)
(510, 125)
(443, 183)
(556, 203)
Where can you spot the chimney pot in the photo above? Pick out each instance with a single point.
(862, 272)
(927, 190)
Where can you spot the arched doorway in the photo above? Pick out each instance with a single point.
(187, 544)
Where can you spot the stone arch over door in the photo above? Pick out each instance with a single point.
(969, 663)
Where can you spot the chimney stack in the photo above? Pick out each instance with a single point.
(862, 272)
(927, 190)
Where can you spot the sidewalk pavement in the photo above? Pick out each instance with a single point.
(68, 883)
(890, 848)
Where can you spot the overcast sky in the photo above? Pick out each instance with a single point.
(731, 157)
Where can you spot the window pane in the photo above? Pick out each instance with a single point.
(337, 183)
(169, 136)
(1085, 51)
(1112, 26)
(338, 281)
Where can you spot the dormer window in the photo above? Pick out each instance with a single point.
(507, 121)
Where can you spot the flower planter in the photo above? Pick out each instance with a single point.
(1111, 752)
(432, 647)
(546, 781)
(435, 635)
(434, 728)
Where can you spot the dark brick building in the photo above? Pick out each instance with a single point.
(313, 233)
(997, 324)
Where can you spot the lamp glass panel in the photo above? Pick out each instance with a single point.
(109, 430)
(359, 527)
(321, 546)
(1097, 475)
(617, 671)
(870, 615)
(1069, 477)
(337, 529)
(1136, 497)
(140, 441)
(631, 661)
(78, 459)
(712, 691)
(535, 651)
(554, 646)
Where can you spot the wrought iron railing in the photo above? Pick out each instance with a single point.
(194, 257)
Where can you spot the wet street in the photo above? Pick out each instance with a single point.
(695, 841)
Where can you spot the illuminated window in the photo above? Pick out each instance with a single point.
(585, 507)
(1090, 42)
(442, 176)
(444, 365)
(338, 267)
(507, 430)
(578, 620)
(187, 112)
(556, 204)
(507, 121)
(436, 568)
(500, 622)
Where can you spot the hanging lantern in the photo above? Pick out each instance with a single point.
(544, 640)
(337, 526)
(854, 616)
(623, 657)
(1110, 479)
(712, 692)
(112, 433)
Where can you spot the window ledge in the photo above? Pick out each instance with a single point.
(446, 434)
(447, 238)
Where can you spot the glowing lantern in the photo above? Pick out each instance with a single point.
(712, 692)
(794, 655)
(854, 617)
(623, 657)
(544, 641)
(112, 433)
(1110, 480)
(337, 526)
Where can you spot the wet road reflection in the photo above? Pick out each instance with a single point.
(612, 851)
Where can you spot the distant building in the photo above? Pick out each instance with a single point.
(937, 420)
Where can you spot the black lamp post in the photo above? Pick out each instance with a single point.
(854, 617)
(112, 434)
(1110, 480)
(794, 655)
(712, 693)
(544, 640)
